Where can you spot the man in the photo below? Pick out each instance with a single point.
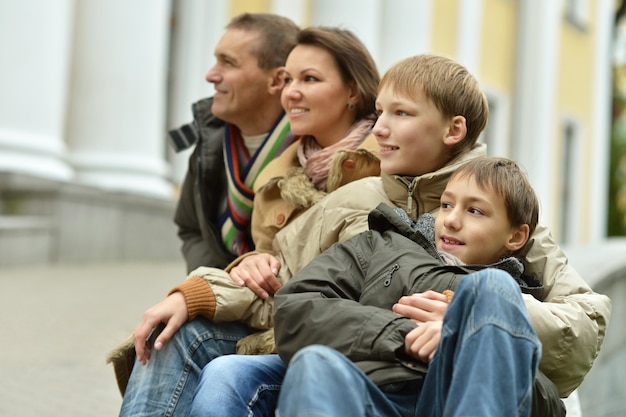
(248, 82)
(236, 132)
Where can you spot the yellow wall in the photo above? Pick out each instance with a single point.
(445, 28)
(252, 6)
(498, 45)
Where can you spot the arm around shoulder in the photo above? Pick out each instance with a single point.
(571, 320)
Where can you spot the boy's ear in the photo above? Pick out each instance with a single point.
(276, 81)
(456, 131)
(519, 237)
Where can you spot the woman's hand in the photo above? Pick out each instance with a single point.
(258, 272)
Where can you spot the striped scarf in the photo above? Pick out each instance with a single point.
(242, 172)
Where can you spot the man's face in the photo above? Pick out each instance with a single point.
(241, 87)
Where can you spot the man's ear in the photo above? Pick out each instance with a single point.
(456, 131)
(276, 81)
(519, 237)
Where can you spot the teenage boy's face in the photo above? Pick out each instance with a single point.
(472, 223)
(411, 133)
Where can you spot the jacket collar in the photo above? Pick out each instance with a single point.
(421, 194)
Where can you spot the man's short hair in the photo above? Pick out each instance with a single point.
(277, 36)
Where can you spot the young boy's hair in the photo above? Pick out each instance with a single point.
(449, 85)
(508, 181)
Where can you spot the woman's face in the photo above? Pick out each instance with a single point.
(315, 96)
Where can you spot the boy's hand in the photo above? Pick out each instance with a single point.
(258, 272)
(421, 342)
(422, 307)
(172, 312)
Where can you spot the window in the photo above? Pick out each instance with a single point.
(569, 182)
(496, 134)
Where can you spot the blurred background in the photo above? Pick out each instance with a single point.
(89, 88)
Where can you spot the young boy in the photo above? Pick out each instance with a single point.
(344, 298)
(430, 114)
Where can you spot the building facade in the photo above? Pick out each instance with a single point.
(89, 89)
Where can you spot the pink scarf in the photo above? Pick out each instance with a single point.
(316, 160)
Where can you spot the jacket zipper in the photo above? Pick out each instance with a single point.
(410, 185)
(386, 276)
(389, 275)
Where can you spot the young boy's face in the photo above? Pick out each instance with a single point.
(472, 223)
(411, 133)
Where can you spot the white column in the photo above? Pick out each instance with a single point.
(116, 123)
(405, 30)
(535, 97)
(468, 37)
(198, 27)
(35, 44)
(296, 10)
(358, 16)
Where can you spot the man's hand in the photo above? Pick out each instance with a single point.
(422, 307)
(258, 272)
(172, 312)
(422, 342)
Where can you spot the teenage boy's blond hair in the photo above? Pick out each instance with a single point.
(449, 85)
(508, 181)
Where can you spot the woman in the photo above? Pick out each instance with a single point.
(329, 96)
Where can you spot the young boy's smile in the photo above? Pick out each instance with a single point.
(472, 223)
(411, 133)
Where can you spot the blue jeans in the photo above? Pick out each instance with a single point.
(166, 384)
(238, 385)
(485, 365)
(486, 338)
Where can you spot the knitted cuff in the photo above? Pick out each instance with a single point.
(199, 297)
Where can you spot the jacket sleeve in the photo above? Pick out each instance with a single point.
(572, 319)
(194, 248)
(210, 293)
(320, 305)
(202, 246)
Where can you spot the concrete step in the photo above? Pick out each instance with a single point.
(26, 240)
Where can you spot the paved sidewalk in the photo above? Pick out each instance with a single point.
(57, 325)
